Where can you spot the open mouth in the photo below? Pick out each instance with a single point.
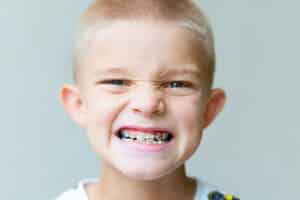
(145, 137)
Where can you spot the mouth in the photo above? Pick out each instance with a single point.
(152, 136)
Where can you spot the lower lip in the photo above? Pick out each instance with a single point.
(148, 148)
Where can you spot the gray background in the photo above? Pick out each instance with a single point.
(252, 148)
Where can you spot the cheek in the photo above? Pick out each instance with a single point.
(189, 111)
(102, 111)
(103, 108)
(189, 117)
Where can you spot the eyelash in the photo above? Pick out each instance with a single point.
(127, 82)
(112, 81)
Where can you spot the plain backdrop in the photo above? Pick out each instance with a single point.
(252, 149)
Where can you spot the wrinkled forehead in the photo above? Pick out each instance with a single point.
(143, 47)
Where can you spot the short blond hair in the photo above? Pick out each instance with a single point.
(185, 13)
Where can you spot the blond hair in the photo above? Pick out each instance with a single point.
(184, 13)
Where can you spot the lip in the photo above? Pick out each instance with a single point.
(142, 148)
(149, 130)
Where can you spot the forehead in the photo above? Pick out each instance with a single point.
(143, 47)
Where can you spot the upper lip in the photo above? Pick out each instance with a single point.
(145, 129)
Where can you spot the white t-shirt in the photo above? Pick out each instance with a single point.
(79, 192)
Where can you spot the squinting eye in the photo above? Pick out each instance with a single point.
(114, 82)
(178, 84)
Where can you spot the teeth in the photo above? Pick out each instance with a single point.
(141, 137)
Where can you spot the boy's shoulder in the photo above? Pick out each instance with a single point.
(77, 192)
(205, 191)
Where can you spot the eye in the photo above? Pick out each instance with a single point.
(115, 82)
(114, 86)
(178, 84)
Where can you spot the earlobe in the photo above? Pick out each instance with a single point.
(214, 106)
(72, 102)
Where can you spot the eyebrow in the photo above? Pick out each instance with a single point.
(112, 70)
(195, 71)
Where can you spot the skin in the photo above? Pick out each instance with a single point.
(144, 53)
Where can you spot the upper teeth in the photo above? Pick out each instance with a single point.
(144, 136)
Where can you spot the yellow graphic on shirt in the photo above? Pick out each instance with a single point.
(228, 197)
(216, 195)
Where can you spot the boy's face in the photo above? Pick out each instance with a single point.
(143, 78)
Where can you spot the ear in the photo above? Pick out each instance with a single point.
(215, 105)
(71, 99)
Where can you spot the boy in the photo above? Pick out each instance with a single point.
(143, 72)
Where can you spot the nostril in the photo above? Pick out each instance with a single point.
(136, 110)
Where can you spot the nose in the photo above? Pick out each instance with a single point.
(148, 102)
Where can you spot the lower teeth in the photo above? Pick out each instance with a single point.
(143, 141)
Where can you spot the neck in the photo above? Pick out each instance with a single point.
(115, 186)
